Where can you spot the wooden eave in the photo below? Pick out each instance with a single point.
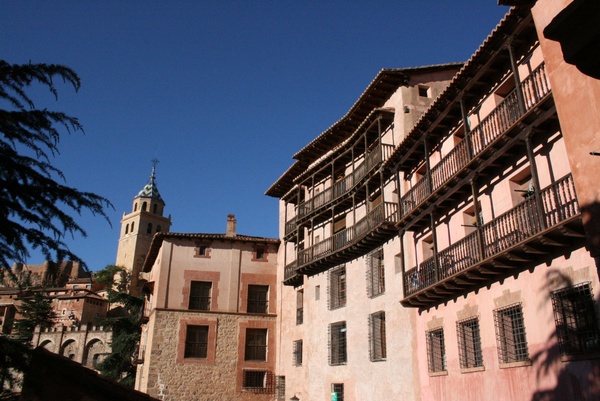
(488, 65)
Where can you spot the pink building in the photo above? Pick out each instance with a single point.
(470, 199)
(210, 328)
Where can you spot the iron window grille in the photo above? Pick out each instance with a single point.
(469, 343)
(510, 334)
(258, 299)
(300, 307)
(298, 353)
(338, 388)
(200, 294)
(280, 388)
(576, 322)
(258, 381)
(337, 287)
(377, 337)
(256, 345)
(436, 351)
(337, 344)
(196, 342)
(375, 273)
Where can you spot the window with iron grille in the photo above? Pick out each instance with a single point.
(300, 307)
(196, 342)
(469, 343)
(258, 381)
(436, 351)
(377, 340)
(337, 344)
(200, 295)
(338, 388)
(256, 345)
(280, 388)
(510, 334)
(575, 318)
(337, 287)
(258, 299)
(298, 353)
(375, 273)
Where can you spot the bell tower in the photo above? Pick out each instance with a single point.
(139, 226)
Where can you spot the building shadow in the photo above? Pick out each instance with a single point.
(577, 377)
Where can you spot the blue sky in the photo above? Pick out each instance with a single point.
(223, 93)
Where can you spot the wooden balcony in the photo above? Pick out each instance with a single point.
(377, 227)
(478, 149)
(340, 190)
(517, 240)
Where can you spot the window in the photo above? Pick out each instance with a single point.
(260, 381)
(260, 253)
(200, 295)
(377, 340)
(423, 91)
(280, 388)
(256, 345)
(298, 353)
(337, 287)
(337, 343)
(202, 250)
(258, 298)
(299, 307)
(126, 228)
(375, 273)
(196, 342)
(149, 228)
(144, 206)
(436, 351)
(338, 389)
(575, 318)
(510, 334)
(317, 292)
(469, 343)
(155, 209)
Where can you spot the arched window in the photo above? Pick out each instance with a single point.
(158, 228)
(149, 229)
(155, 208)
(144, 206)
(132, 225)
(135, 207)
(126, 228)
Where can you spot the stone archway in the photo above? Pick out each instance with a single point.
(69, 349)
(48, 345)
(93, 353)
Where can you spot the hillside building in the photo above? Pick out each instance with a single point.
(210, 317)
(449, 254)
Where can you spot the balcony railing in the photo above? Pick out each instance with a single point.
(290, 270)
(534, 88)
(382, 213)
(340, 188)
(508, 230)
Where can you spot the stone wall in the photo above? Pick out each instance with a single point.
(218, 377)
(87, 345)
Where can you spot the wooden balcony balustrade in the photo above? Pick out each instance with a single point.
(534, 88)
(339, 189)
(368, 233)
(511, 242)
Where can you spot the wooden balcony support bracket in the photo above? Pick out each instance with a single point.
(532, 249)
(485, 270)
(516, 257)
(500, 265)
(460, 281)
(569, 232)
(473, 275)
(544, 239)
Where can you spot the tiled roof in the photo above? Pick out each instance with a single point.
(150, 190)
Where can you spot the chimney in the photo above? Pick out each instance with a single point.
(230, 226)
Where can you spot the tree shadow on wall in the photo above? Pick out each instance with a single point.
(577, 376)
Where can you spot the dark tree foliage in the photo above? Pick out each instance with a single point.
(14, 357)
(35, 310)
(35, 209)
(125, 323)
